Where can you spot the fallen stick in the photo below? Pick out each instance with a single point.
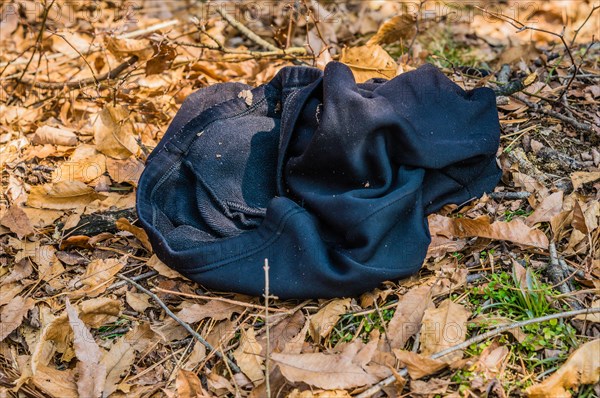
(246, 32)
(477, 339)
(509, 195)
(187, 327)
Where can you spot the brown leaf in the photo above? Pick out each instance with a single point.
(410, 309)
(188, 385)
(327, 371)
(85, 164)
(91, 373)
(128, 170)
(248, 357)
(582, 367)
(62, 195)
(116, 362)
(323, 322)
(444, 327)
(217, 310)
(122, 48)
(548, 208)
(319, 394)
(21, 270)
(583, 177)
(400, 27)
(17, 221)
(163, 269)
(56, 383)
(430, 387)
(137, 301)
(513, 231)
(368, 62)
(113, 133)
(55, 136)
(491, 360)
(123, 224)
(418, 365)
(97, 275)
(12, 314)
(593, 317)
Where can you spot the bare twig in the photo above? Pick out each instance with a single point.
(477, 339)
(136, 278)
(267, 326)
(537, 108)
(187, 327)
(257, 54)
(245, 31)
(83, 82)
(222, 299)
(509, 195)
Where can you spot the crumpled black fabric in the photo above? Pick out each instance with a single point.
(328, 179)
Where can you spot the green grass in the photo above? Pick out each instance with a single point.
(351, 325)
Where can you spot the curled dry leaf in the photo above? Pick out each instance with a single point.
(444, 327)
(515, 231)
(548, 208)
(137, 301)
(12, 314)
(583, 177)
(163, 269)
(323, 322)
(128, 170)
(217, 310)
(123, 224)
(97, 276)
(85, 164)
(406, 321)
(400, 27)
(582, 367)
(248, 357)
(55, 136)
(17, 221)
(368, 62)
(62, 195)
(418, 365)
(116, 362)
(188, 385)
(122, 48)
(113, 133)
(327, 371)
(91, 373)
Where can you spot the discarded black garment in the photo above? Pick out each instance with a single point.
(329, 180)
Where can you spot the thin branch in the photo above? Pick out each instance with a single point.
(245, 31)
(509, 195)
(257, 54)
(83, 82)
(187, 327)
(267, 326)
(537, 108)
(477, 339)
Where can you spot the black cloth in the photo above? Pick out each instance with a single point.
(328, 179)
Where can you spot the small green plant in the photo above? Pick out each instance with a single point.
(510, 214)
(507, 298)
(349, 325)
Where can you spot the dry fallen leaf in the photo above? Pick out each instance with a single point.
(85, 164)
(583, 177)
(123, 224)
(17, 221)
(217, 310)
(91, 373)
(97, 276)
(548, 208)
(248, 357)
(444, 327)
(128, 170)
(327, 371)
(419, 365)
(137, 301)
(368, 62)
(55, 136)
(163, 269)
(113, 133)
(406, 321)
(122, 48)
(188, 385)
(62, 195)
(116, 362)
(12, 314)
(319, 394)
(400, 27)
(323, 322)
(582, 367)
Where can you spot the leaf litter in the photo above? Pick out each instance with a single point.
(75, 131)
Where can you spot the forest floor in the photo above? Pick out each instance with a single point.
(88, 89)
